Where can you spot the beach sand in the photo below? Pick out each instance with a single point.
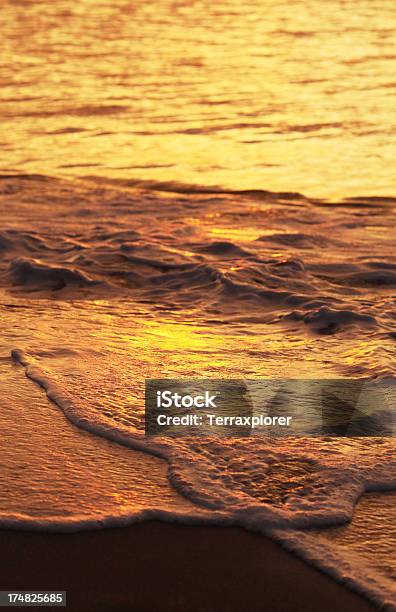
(160, 567)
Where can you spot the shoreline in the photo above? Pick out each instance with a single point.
(165, 567)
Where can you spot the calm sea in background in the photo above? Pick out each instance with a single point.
(259, 94)
(197, 190)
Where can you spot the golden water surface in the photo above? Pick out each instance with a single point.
(271, 94)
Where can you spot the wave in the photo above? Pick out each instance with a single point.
(317, 491)
(217, 252)
(195, 189)
(34, 273)
(326, 320)
(281, 490)
(294, 502)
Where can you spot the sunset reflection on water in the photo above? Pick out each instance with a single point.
(243, 95)
(121, 262)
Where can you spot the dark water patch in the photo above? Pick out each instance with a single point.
(191, 189)
(86, 165)
(141, 167)
(118, 237)
(325, 320)
(25, 177)
(384, 265)
(370, 274)
(370, 200)
(377, 278)
(222, 127)
(66, 130)
(34, 273)
(79, 111)
(29, 242)
(223, 248)
(312, 127)
(5, 242)
(189, 275)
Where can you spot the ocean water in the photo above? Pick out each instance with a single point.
(153, 161)
(104, 285)
(230, 93)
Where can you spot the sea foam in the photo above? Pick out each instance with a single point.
(281, 490)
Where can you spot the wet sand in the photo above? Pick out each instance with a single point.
(158, 567)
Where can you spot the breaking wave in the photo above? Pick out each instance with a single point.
(278, 256)
(282, 491)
